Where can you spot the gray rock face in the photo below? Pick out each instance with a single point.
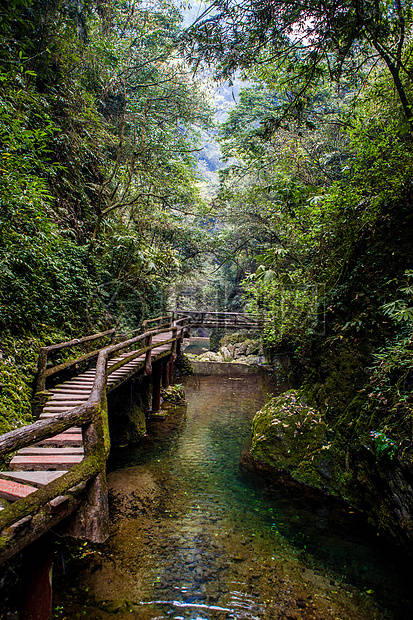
(248, 352)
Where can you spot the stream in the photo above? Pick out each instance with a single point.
(195, 537)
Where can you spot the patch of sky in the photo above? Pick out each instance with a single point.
(223, 97)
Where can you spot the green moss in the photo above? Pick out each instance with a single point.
(291, 436)
(183, 366)
(174, 394)
(18, 365)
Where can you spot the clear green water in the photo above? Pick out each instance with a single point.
(202, 539)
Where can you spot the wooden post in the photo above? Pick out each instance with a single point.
(37, 580)
(148, 356)
(38, 402)
(156, 387)
(91, 521)
(40, 385)
(179, 342)
(174, 343)
(165, 373)
(171, 367)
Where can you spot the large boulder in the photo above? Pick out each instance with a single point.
(292, 443)
(291, 436)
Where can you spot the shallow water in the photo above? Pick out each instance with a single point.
(194, 537)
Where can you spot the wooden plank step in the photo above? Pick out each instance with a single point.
(67, 402)
(12, 491)
(51, 462)
(74, 381)
(121, 376)
(81, 391)
(60, 408)
(63, 439)
(50, 450)
(54, 413)
(35, 478)
(121, 371)
(57, 398)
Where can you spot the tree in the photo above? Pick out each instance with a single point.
(311, 40)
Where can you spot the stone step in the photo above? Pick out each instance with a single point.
(34, 478)
(12, 491)
(52, 462)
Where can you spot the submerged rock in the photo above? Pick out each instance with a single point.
(174, 394)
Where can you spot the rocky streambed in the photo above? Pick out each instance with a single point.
(195, 536)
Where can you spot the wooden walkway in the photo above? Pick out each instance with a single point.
(37, 465)
(58, 467)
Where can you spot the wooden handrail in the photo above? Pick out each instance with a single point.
(222, 312)
(43, 429)
(212, 318)
(43, 372)
(76, 341)
(167, 318)
(92, 417)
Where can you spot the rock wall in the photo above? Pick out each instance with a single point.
(296, 442)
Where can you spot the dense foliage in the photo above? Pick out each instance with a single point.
(315, 202)
(98, 179)
(101, 208)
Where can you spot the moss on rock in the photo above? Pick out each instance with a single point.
(291, 436)
(183, 366)
(174, 394)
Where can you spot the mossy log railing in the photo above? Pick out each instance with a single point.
(83, 487)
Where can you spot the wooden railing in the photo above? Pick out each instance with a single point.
(26, 519)
(158, 322)
(228, 320)
(44, 372)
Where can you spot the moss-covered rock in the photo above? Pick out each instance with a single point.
(247, 351)
(174, 394)
(291, 436)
